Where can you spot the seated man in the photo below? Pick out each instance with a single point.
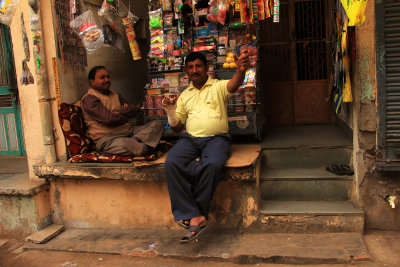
(202, 107)
(106, 115)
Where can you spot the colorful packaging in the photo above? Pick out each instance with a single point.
(7, 10)
(129, 23)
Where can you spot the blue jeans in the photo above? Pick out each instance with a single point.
(191, 184)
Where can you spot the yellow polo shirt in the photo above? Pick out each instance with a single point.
(204, 111)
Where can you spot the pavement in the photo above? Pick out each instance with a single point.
(100, 247)
(214, 245)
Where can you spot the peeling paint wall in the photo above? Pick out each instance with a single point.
(24, 215)
(371, 188)
(127, 204)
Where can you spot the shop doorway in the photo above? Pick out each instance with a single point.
(295, 69)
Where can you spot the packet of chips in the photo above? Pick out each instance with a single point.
(129, 23)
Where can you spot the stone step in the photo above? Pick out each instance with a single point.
(24, 205)
(304, 184)
(306, 157)
(309, 217)
(214, 245)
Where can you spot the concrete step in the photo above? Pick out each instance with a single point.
(24, 205)
(304, 184)
(214, 245)
(306, 157)
(309, 217)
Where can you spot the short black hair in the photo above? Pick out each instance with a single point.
(196, 55)
(93, 71)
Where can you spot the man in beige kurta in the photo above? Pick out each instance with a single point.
(106, 115)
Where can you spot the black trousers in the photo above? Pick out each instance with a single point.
(191, 184)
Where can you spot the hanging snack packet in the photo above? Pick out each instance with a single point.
(90, 34)
(7, 10)
(155, 19)
(129, 23)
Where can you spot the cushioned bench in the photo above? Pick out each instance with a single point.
(81, 149)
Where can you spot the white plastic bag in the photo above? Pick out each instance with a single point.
(90, 34)
(7, 10)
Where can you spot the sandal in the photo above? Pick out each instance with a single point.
(197, 230)
(183, 223)
(340, 170)
(346, 170)
(334, 169)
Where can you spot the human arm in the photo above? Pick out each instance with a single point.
(243, 64)
(92, 106)
(169, 106)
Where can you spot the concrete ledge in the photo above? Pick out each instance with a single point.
(126, 171)
(21, 185)
(124, 195)
(241, 166)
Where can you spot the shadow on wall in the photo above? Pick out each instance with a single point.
(128, 77)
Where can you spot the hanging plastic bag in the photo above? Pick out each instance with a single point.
(90, 34)
(112, 37)
(7, 10)
(355, 11)
(108, 15)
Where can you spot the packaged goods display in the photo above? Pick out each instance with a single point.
(221, 30)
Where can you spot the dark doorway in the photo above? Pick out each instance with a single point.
(295, 67)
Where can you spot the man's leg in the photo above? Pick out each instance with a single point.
(179, 169)
(149, 133)
(214, 154)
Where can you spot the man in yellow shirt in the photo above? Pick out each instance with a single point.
(202, 107)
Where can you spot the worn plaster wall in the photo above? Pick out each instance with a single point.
(128, 204)
(24, 215)
(372, 188)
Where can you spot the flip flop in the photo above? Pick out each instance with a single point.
(197, 230)
(340, 170)
(182, 224)
(334, 169)
(346, 170)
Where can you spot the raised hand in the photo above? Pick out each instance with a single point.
(242, 62)
(169, 103)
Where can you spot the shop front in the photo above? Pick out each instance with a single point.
(300, 76)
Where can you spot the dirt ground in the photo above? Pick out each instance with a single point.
(383, 246)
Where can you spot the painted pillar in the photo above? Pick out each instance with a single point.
(28, 94)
